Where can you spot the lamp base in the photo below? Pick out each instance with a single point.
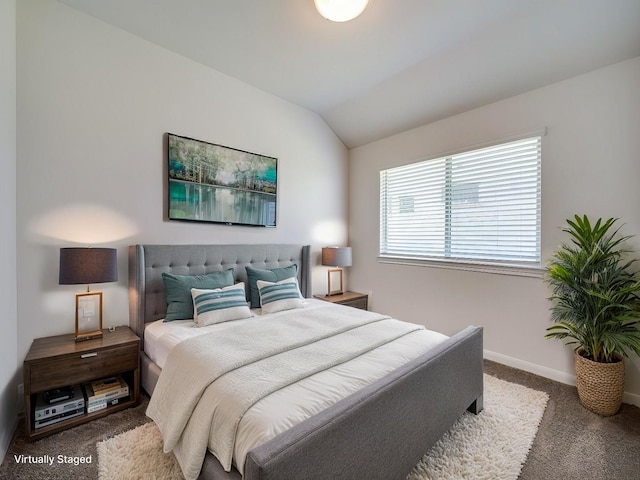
(336, 272)
(88, 316)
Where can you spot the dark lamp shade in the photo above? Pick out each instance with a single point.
(87, 266)
(336, 256)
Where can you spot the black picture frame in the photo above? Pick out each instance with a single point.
(213, 183)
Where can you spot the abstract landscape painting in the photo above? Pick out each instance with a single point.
(212, 183)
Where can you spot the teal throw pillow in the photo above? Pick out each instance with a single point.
(273, 275)
(177, 289)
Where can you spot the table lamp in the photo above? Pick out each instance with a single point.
(87, 266)
(336, 257)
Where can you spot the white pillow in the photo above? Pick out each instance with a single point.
(219, 305)
(277, 296)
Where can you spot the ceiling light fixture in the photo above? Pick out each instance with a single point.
(340, 10)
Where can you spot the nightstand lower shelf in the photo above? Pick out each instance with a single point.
(37, 434)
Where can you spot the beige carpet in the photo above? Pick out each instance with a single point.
(492, 445)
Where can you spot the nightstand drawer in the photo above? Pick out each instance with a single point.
(82, 367)
(357, 303)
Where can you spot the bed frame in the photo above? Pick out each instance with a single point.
(380, 432)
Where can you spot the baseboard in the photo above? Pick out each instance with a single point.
(5, 440)
(546, 372)
(558, 376)
(631, 398)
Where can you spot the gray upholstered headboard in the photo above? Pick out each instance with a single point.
(147, 263)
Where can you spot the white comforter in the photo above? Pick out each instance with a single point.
(194, 411)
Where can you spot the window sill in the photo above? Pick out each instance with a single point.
(534, 271)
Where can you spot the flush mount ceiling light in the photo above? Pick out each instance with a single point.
(340, 10)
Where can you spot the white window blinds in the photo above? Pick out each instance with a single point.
(480, 206)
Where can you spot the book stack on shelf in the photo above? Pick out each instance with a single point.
(105, 393)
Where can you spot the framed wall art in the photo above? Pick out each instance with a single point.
(213, 183)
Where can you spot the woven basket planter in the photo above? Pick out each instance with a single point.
(600, 385)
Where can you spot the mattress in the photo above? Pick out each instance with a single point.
(289, 406)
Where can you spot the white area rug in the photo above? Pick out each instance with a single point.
(136, 455)
(491, 446)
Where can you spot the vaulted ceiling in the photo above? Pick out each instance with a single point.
(401, 64)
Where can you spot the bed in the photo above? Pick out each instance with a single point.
(378, 432)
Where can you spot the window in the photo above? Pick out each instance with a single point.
(478, 207)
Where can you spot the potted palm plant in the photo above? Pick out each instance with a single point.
(596, 306)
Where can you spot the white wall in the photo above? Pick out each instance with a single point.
(93, 105)
(8, 338)
(590, 164)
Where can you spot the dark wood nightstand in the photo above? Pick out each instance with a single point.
(55, 362)
(351, 299)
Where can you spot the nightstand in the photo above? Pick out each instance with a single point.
(60, 361)
(350, 299)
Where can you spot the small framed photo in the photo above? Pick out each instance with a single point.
(88, 315)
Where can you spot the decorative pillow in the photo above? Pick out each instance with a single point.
(219, 305)
(282, 295)
(274, 275)
(177, 289)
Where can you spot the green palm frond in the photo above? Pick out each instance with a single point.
(594, 293)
